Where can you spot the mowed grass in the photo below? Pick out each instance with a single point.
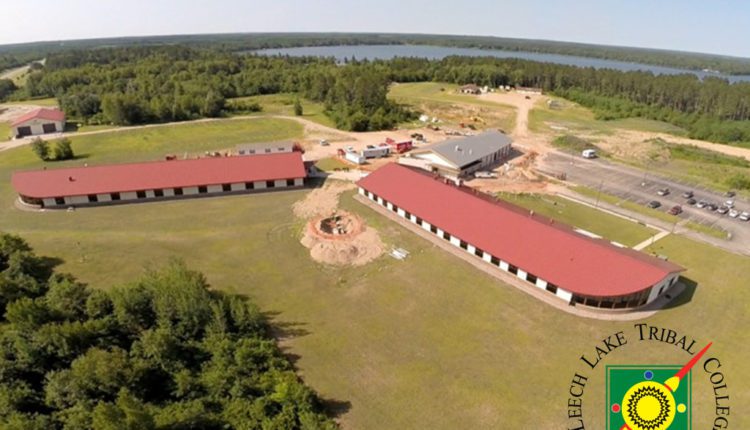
(152, 143)
(283, 104)
(4, 131)
(46, 102)
(581, 216)
(331, 164)
(571, 117)
(429, 342)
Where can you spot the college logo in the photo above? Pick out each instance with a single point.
(647, 396)
(650, 397)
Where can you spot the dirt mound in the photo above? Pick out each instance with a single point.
(336, 237)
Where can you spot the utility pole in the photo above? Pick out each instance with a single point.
(601, 184)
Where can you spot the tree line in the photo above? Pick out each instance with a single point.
(162, 352)
(136, 85)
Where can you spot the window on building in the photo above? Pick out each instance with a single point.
(478, 252)
(178, 191)
(202, 189)
(512, 269)
(281, 149)
(446, 236)
(290, 182)
(93, 198)
(140, 194)
(226, 187)
(268, 150)
(270, 184)
(394, 208)
(531, 278)
(159, 193)
(249, 185)
(495, 260)
(251, 151)
(433, 229)
(115, 196)
(552, 288)
(59, 201)
(464, 245)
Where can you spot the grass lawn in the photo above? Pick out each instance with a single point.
(152, 143)
(283, 104)
(48, 102)
(429, 342)
(442, 101)
(331, 164)
(581, 216)
(4, 131)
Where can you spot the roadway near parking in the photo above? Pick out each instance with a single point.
(641, 187)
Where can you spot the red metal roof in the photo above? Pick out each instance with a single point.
(550, 250)
(47, 114)
(81, 181)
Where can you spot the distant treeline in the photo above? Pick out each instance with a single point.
(15, 55)
(152, 84)
(127, 86)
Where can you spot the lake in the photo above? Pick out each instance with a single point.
(386, 52)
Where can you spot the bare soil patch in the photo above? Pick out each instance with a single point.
(336, 237)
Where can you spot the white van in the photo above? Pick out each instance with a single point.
(589, 153)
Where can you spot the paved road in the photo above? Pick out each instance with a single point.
(641, 187)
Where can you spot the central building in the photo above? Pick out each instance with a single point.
(554, 257)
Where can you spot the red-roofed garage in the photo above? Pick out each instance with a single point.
(577, 268)
(120, 183)
(39, 121)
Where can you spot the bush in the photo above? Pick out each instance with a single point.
(40, 148)
(63, 150)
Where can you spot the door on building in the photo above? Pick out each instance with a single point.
(49, 128)
(24, 131)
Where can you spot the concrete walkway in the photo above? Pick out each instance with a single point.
(508, 279)
(650, 241)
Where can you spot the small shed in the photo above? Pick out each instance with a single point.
(39, 121)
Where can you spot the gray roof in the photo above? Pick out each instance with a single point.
(467, 150)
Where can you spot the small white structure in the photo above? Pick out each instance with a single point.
(354, 157)
(376, 151)
(40, 121)
(589, 153)
(264, 148)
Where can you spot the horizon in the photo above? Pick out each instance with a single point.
(689, 26)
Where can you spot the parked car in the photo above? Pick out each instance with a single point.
(729, 203)
(722, 210)
(687, 195)
(663, 191)
(324, 142)
(711, 207)
(676, 210)
(734, 213)
(744, 216)
(691, 201)
(653, 204)
(730, 194)
(701, 204)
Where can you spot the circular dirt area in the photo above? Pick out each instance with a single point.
(341, 239)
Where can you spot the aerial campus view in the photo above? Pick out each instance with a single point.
(374, 215)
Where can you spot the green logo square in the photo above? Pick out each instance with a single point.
(649, 406)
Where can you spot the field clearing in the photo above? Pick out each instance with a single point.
(571, 117)
(283, 104)
(429, 342)
(609, 226)
(441, 100)
(47, 102)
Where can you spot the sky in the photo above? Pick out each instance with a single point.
(712, 26)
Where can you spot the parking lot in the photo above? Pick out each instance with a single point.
(642, 187)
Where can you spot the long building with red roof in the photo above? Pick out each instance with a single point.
(77, 186)
(568, 263)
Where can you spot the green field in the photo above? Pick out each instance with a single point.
(571, 117)
(429, 342)
(47, 102)
(442, 101)
(331, 164)
(283, 104)
(4, 131)
(595, 221)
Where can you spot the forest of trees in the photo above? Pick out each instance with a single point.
(154, 84)
(163, 352)
(20, 54)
